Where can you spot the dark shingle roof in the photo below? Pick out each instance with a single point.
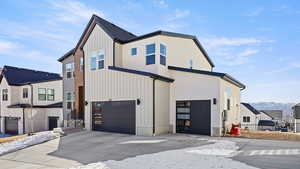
(252, 109)
(69, 53)
(20, 76)
(221, 75)
(54, 105)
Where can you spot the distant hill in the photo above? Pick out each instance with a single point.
(285, 107)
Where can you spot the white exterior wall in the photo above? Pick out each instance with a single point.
(233, 116)
(263, 116)
(56, 85)
(179, 52)
(162, 107)
(103, 85)
(253, 118)
(191, 86)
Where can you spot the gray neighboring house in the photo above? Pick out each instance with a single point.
(296, 112)
(275, 114)
(68, 87)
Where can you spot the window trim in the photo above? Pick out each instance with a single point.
(132, 51)
(246, 119)
(151, 54)
(69, 100)
(42, 94)
(50, 95)
(96, 55)
(69, 70)
(25, 94)
(5, 96)
(162, 55)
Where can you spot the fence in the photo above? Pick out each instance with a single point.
(276, 126)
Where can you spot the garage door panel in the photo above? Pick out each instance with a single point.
(200, 117)
(11, 126)
(115, 116)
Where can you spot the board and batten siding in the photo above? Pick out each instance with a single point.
(162, 107)
(253, 118)
(105, 85)
(191, 86)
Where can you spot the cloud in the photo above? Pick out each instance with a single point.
(289, 67)
(179, 14)
(232, 59)
(7, 47)
(255, 12)
(161, 4)
(223, 41)
(248, 52)
(73, 11)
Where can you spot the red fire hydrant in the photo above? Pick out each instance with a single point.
(235, 129)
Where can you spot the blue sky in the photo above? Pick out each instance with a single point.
(257, 42)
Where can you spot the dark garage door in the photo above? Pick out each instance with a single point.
(193, 116)
(114, 116)
(52, 122)
(11, 125)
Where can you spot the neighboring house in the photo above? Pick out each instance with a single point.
(161, 82)
(249, 116)
(24, 111)
(276, 115)
(264, 116)
(296, 109)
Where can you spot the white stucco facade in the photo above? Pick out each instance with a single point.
(253, 122)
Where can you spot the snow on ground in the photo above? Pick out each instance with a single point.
(211, 156)
(143, 141)
(27, 141)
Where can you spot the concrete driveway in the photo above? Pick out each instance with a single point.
(90, 147)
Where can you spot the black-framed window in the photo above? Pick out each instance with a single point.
(133, 51)
(246, 119)
(150, 54)
(4, 94)
(69, 100)
(183, 116)
(163, 54)
(50, 94)
(70, 70)
(25, 93)
(100, 61)
(42, 94)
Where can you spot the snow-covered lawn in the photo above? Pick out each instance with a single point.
(211, 156)
(27, 141)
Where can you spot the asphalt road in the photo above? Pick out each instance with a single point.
(89, 147)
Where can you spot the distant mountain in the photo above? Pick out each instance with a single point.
(285, 107)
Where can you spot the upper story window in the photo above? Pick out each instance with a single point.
(163, 54)
(50, 94)
(70, 70)
(42, 94)
(25, 93)
(81, 64)
(150, 54)
(133, 51)
(69, 100)
(4, 94)
(98, 60)
(191, 64)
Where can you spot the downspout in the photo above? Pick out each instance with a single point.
(83, 77)
(153, 90)
(114, 53)
(31, 105)
(23, 120)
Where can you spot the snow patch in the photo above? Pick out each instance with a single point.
(27, 141)
(143, 141)
(92, 166)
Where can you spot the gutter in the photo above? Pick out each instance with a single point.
(153, 90)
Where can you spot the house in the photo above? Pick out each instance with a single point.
(30, 100)
(160, 82)
(296, 109)
(249, 116)
(264, 116)
(276, 115)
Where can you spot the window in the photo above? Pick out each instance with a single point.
(133, 51)
(228, 104)
(191, 64)
(25, 93)
(150, 54)
(5, 94)
(69, 100)
(101, 60)
(50, 94)
(97, 60)
(246, 119)
(163, 52)
(81, 64)
(42, 94)
(70, 70)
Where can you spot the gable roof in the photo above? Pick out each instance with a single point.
(69, 53)
(274, 114)
(19, 76)
(122, 36)
(252, 109)
(217, 74)
(54, 105)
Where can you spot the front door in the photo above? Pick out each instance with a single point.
(52, 122)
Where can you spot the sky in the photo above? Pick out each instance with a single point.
(257, 42)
